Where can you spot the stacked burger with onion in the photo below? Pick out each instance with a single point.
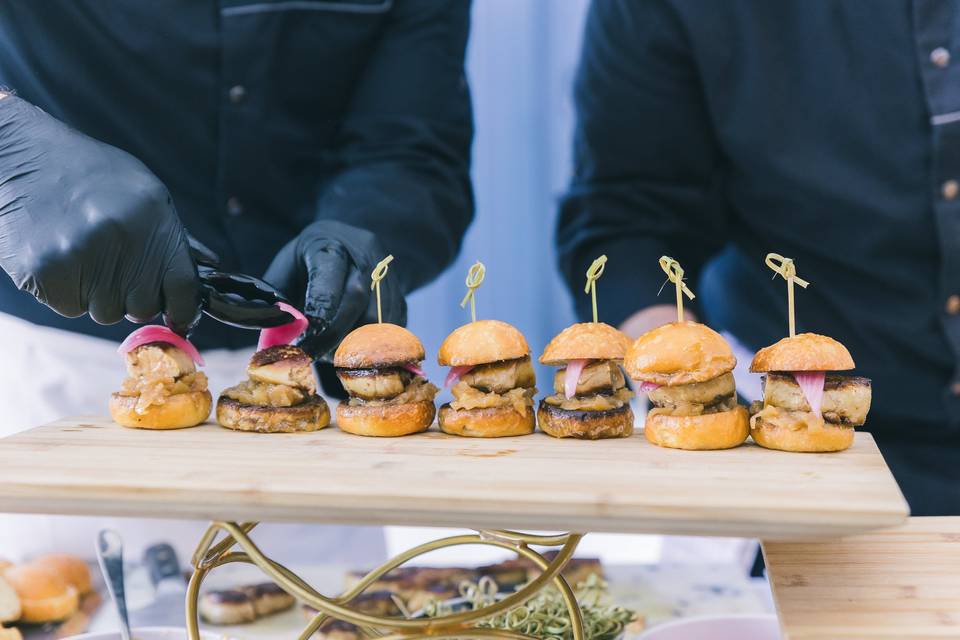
(591, 400)
(804, 407)
(379, 366)
(163, 389)
(492, 380)
(280, 392)
(686, 369)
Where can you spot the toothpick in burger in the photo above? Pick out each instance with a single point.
(805, 407)
(493, 381)
(591, 400)
(686, 370)
(379, 366)
(163, 389)
(280, 392)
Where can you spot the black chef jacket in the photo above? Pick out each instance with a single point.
(824, 130)
(263, 116)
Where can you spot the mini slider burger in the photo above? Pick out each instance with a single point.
(163, 389)
(280, 393)
(686, 370)
(493, 381)
(591, 399)
(804, 408)
(378, 365)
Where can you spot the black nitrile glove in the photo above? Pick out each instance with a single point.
(86, 227)
(326, 270)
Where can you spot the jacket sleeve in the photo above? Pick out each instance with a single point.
(646, 166)
(404, 146)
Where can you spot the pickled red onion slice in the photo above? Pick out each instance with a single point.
(415, 370)
(572, 376)
(285, 333)
(455, 373)
(159, 333)
(811, 383)
(647, 387)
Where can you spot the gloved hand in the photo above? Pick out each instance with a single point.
(326, 270)
(86, 227)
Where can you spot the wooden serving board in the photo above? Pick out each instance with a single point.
(93, 466)
(897, 583)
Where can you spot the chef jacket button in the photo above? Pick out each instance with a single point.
(940, 57)
(237, 93)
(955, 388)
(953, 305)
(234, 206)
(950, 189)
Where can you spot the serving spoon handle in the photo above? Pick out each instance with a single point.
(110, 557)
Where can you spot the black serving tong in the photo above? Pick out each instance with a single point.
(241, 300)
(248, 302)
(236, 299)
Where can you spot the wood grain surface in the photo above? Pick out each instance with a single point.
(93, 466)
(897, 583)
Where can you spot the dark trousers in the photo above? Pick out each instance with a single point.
(928, 472)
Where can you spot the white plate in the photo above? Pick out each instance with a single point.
(732, 627)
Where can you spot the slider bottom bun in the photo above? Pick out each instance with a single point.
(773, 436)
(311, 415)
(386, 420)
(585, 425)
(178, 411)
(494, 422)
(723, 430)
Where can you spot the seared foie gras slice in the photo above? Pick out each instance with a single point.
(158, 360)
(501, 377)
(374, 384)
(846, 399)
(703, 394)
(283, 364)
(599, 376)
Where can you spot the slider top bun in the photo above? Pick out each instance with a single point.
(803, 352)
(71, 568)
(482, 342)
(679, 353)
(378, 345)
(590, 340)
(34, 582)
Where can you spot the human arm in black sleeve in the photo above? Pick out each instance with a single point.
(404, 183)
(647, 178)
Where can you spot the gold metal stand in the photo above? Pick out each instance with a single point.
(457, 625)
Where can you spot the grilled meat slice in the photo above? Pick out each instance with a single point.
(602, 376)
(694, 397)
(501, 377)
(846, 399)
(283, 364)
(374, 384)
(418, 390)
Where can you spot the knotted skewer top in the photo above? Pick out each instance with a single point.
(474, 279)
(379, 273)
(785, 268)
(593, 274)
(675, 275)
